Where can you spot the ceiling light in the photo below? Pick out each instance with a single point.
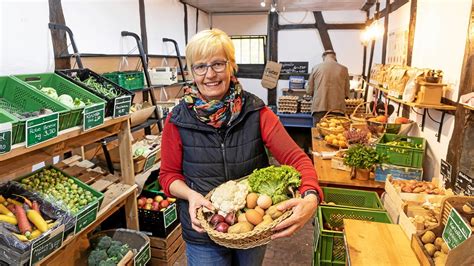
(262, 4)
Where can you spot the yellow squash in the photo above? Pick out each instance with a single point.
(5, 210)
(37, 220)
(8, 219)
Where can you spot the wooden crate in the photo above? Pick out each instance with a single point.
(165, 251)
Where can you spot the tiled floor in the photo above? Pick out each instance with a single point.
(294, 251)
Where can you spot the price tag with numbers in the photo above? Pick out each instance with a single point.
(93, 116)
(41, 129)
(5, 137)
(122, 106)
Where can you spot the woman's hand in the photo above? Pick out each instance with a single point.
(196, 201)
(303, 210)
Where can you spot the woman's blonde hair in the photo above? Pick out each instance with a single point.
(207, 43)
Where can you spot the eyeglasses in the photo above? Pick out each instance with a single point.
(201, 69)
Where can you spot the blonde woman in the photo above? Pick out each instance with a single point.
(217, 133)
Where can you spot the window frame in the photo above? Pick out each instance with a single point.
(252, 70)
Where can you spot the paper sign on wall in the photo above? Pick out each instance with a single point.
(271, 75)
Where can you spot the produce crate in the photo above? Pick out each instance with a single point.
(165, 251)
(130, 80)
(17, 98)
(296, 120)
(403, 156)
(330, 243)
(5, 118)
(351, 198)
(158, 223)
(83, 217)
(15, 252)
(75, 75)
(398, 172)
(62, 86)
(136, 240)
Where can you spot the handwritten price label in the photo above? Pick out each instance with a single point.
(93, 116)
(41, 129)
(5, 137)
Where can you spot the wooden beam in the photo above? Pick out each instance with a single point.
(185, 24)
(272, 30)
(323, 30)
(385, 32)
(197, 20)
(144, 37)
(58, 37)
(461, 145)
(346, 26)
(411, 31)
(297, 26)
(393, 7)
(368, 5)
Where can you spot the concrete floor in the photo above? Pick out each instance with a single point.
(294, 251)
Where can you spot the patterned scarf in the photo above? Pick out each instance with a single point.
(216, 113)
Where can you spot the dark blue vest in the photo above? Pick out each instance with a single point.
(212, 157)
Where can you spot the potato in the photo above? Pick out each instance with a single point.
(273, 212)
(430, 248)
(445, 248)
(264, 201)
(466, 208)
(418, 190)
(428, 237)
(438, 243)
(253, 217)
(472, 221)
(267, 217)
(440, 260)
(260, 210)
(240, 227)
(437, 254)
(263, 223)
(242, 218)
(252, 200)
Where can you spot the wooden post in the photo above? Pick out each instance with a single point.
(58, 37)
(323, 30)
(141, 6)
(411, 31)
(185, 23)
(272, 50)
(385, 32)
(128, 173)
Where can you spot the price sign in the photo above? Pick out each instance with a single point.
(122, 105)
(86, 217)
(150, 161)
(294, 67)
(43, 246)
(93, 116)
(446, 171)
(143, 256)
(464, 184)
(41, 129)
(456, 230)
(170, 215)
(5, 137)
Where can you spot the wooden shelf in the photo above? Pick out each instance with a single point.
(441, 106)
(468, 107)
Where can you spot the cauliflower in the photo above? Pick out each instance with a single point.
(229, 197)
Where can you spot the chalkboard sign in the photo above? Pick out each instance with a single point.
(5, 137)
(446, 171)
(464, 184)
(294, 67)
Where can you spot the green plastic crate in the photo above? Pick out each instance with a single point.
(62, 86)
(403, 156)
(154, 187)
(5, 117)
(330, 243)
(16, 97)
(130, 80)
(352, 198)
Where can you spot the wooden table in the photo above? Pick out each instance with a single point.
(331, 177)
(371, 243)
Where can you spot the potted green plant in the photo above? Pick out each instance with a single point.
(362, 159)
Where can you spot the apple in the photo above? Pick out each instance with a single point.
(141, 201)
(148, 206)
(158, 198)
(164, 203)
(149, 200)
(155, 206)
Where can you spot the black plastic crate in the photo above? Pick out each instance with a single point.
(158, 223)
(83, 74)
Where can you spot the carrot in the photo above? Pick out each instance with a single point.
(5, 210)
(8, 219)
(2, 199)
(11, 207)
(23, 224)
(35, 206)
(17, 203)
(36, 218)
(25, 200)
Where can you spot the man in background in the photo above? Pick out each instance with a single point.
(329, 86)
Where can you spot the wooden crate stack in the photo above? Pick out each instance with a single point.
(288, 104)
(351, 105)
(165, 251)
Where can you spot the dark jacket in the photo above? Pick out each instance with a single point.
(212, 157)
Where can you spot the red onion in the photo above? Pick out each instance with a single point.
(222, 227)
(230, 218)
(216, 219)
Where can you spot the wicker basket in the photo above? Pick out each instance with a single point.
(254, 238)
(328, 116)
(360, 117)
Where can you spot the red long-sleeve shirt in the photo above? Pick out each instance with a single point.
(274, 135)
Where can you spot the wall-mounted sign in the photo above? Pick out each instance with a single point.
(294, 67)
(271, 75)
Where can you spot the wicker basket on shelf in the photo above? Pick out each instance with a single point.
(360, 117)
(254, 238)
(345, 122)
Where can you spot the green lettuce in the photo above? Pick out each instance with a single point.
(274, 181)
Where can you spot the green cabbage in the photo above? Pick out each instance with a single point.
(274, 181)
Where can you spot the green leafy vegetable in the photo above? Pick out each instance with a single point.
(362, 157)
(275, 181)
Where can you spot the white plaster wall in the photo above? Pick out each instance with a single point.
(305, 17)
(254, 86)
(25, 41)
(348, 16)
(241, 24)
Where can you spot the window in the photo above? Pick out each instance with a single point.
(249, 49)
